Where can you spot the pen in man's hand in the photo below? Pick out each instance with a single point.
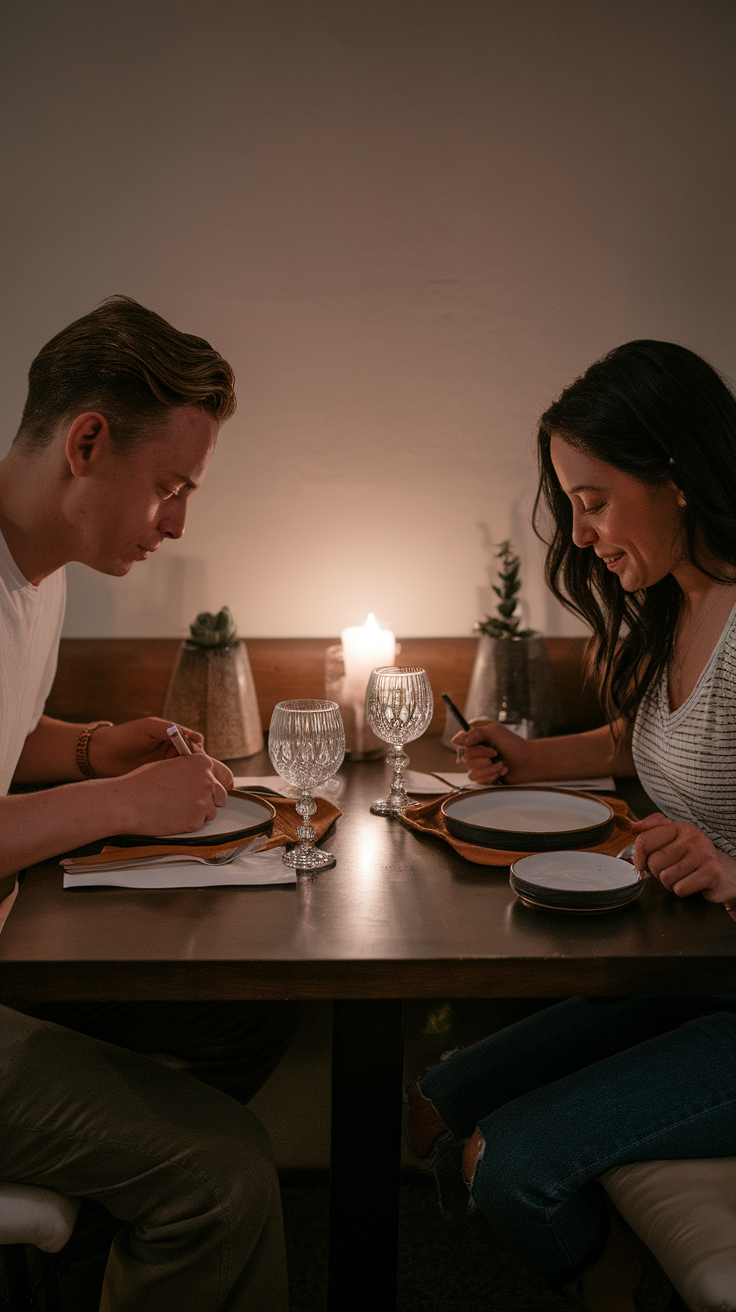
(174, 734)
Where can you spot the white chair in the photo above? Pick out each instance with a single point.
(685, 1212)
(39, 1217)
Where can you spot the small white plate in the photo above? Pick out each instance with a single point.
(575, 881)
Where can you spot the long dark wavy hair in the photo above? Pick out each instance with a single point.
(656, 411)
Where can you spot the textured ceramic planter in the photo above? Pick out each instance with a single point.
(512, 682)
(212, 690)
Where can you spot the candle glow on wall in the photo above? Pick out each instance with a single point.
(348, 668)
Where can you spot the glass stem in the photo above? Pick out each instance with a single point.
(397, 759)
(306, 806)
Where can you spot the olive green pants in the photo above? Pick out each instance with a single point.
(186, 1166)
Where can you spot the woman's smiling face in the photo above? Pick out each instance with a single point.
(634, 527)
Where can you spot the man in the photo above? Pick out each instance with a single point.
(120, 423)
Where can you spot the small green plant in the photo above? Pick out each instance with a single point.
(212, 630)
(507, 625)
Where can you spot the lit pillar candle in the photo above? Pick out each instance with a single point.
(364, 649)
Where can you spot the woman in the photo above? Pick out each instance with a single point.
(638, 474)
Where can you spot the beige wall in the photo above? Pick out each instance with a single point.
(407, 223)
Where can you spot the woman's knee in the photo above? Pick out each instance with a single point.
(504, 1168)
(472, 1154)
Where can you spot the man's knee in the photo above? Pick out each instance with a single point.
(238, 1161)
(218, 1187)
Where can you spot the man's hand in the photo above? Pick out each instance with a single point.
(166, 797)
(174, 797)
(683, 859)
(120, 748)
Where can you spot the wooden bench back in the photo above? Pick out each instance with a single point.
(122, 678)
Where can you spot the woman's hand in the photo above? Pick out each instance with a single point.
(493, 752)
(120, 748)
(683, 859)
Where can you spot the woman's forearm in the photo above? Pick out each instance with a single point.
(582, 755)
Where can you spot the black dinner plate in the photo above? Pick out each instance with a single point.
(528, 819)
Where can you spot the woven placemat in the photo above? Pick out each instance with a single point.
(426, 818)
(285, 825)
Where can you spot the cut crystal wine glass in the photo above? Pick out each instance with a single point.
(398, 707)
(306, 743)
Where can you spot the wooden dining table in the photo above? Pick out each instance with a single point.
(400, 916)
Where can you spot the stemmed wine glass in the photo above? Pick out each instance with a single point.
(398, 707)
(306, 743)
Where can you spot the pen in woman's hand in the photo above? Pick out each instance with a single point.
(465, 726)
(449, 703)
(175, 735)
(460, 718)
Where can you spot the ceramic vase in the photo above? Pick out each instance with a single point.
(212, 690)
(512, 682)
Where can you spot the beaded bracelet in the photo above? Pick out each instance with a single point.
(83, 743)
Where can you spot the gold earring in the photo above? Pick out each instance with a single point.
(681, 499)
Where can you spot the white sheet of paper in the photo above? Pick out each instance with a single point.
(272, 781)
(248, 868)
(416, 782)
(331, 790)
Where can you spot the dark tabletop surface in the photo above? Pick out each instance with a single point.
(400, 915)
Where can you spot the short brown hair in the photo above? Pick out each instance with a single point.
(130, 365)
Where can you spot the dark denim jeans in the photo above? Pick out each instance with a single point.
(576, 1089)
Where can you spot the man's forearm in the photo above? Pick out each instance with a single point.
(36, 826)
(49, 754)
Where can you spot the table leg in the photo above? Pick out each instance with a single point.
(367, 1066)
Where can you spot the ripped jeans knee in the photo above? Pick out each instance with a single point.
(435, 1147)
(472, 1154)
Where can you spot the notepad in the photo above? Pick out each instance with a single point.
(417, 782)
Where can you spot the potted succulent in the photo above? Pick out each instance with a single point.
(512, 676)
(212, 688)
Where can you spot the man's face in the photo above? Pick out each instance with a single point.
(127, 504)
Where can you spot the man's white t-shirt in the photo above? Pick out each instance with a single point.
(30, 628)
